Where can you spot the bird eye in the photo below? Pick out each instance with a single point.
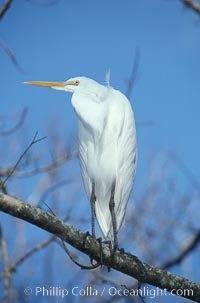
(76, 82)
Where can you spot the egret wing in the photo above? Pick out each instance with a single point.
(108, 153)
(120, 155)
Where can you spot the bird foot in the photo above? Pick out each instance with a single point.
(86, 235)
(100, 250)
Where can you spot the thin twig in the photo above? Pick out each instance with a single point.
(4, 8)
(11, 55)
(13, 267)
(3, 186)
(185, 170)
(193, 5)
(68, 251)
(134, 72)
(34, 141)
(48, 3)
(17, 125)
(51, 189)
(44, 169)
(185, 252)
(93, 266)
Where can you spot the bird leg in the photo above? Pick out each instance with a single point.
(113, 216)
(92, 201)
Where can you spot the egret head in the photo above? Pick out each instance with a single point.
(71, 85)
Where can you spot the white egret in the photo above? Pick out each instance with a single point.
(107, 149)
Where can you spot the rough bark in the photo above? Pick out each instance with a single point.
(122, 261)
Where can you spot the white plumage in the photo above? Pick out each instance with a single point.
(107, 148)
(107, 145)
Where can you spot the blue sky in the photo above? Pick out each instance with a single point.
(86, 38)
(89, 37)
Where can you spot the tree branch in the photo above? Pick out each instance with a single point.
(45, 4)
(185, 170)
(34, 141)
(4, 8)
(133, 75)
(123, 262)
(190, 247)
(10, 268)
(193, 5)
(11, 55)
(16, 126)
(39, 170)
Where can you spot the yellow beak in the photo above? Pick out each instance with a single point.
(47, 84)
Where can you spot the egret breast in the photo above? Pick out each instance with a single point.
(102, 161)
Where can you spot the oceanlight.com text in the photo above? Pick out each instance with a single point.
(90, 291)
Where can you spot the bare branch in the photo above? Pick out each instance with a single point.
(17, 125)
(5, 7)
(193, 5)
(3, 186)
(34, 141)
(68, 252)
(5, 172)
(133, 75)
(123, 262)
(188, 249)
(11, 55)
(12, 268)
(185, 170)
(46, 4)
(46, 168)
